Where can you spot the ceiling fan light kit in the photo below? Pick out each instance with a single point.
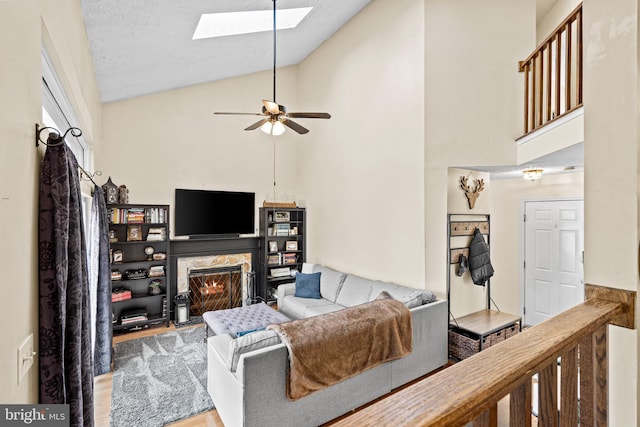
(532, 174)
(275, 116)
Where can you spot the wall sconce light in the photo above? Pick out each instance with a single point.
(532, 174)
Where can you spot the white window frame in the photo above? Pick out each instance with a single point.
(58, 113)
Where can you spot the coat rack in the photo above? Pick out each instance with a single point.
(54, 139)
(460, 226)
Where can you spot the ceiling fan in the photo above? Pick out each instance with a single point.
(275, 115)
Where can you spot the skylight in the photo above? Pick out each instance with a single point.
(233, 23)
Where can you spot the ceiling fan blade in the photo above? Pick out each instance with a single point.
(295, 126)
(240, 114)
(271, 107)
(310, 115)
(257, 124)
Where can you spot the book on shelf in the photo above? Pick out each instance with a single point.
(120, 294)
(155, 215)
(289, 258)
(156, 234)
(280, 272)
(274, 259)
(135, 216)
(156, 271)
(133, 315)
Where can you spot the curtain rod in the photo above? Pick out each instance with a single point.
(56, 140)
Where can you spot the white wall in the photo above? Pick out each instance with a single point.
(24, 26)
(362, 171)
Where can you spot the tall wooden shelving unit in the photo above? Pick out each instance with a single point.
(134, 229)
(282, 248)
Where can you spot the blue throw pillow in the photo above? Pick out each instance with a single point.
(308, 285)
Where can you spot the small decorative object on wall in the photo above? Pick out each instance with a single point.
(273, 246)
(472, 194)
(134, 233)
(110, 192)
(123, 195)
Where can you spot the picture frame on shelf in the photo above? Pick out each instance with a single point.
(273, 246)
(134, 233)
(291, 245)
(113, 237)
(282, 216)
(117, 257)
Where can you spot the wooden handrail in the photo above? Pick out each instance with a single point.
(470, 390)
(550, 93)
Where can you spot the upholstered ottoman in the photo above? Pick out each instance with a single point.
(234, 321)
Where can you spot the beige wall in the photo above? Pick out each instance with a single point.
(472, 99)
(611, 178)
(507, 199)
(157, 143)
(24, 26)
(362, 172)
(465, 297)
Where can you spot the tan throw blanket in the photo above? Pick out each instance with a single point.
(327, 349)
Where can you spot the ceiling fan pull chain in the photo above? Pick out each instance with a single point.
(274, 50)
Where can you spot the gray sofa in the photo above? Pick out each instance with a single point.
(247, 375)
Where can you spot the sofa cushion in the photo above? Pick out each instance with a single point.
(330, 282)
(322, 309)
(247, 343)
(308, 285)
(296, 307)
(355, 290)
(411, 297)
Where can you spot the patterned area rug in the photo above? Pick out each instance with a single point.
(160, 379)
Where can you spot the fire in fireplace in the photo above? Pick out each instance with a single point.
(216, 288)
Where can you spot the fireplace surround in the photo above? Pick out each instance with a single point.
(200, 255)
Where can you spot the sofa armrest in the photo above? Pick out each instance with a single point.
(284, 290)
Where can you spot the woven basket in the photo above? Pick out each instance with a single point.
(462, 346)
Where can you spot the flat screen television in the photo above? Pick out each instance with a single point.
(208, 213)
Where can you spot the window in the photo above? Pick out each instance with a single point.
(57, 112)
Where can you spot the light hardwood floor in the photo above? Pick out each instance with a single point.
(102, 389)
(102, 393)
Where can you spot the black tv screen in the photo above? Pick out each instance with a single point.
(202, 213)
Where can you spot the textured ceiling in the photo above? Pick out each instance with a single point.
(145, 46)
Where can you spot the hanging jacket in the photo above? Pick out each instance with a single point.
(479, 260)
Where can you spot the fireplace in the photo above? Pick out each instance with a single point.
(217, 288)
(214, 282)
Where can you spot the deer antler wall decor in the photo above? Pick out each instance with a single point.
(472, 194)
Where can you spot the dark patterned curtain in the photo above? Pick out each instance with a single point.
(100, 281)
(66, 368)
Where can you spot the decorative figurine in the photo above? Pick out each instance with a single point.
(123, 195)
(110, 192)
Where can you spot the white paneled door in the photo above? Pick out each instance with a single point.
(553, 269)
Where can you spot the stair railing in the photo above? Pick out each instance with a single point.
(553, 75)
(565, 357)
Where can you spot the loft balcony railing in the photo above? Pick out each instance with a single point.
(553, 75)
(565, 356)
